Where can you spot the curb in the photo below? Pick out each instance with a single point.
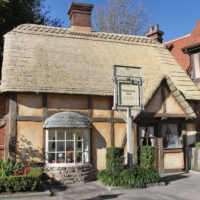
(114, 188)
(25, 195)
(194, 172)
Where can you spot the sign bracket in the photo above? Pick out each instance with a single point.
(127, 96)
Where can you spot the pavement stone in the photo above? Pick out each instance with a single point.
(179, 187)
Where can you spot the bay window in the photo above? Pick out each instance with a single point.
(69, 145)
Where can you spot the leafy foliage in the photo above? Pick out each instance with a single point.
(115, 159)
(137, 176)
(147, 157)
(16, 12)
(17, 183)
(134, 177)
(8, 167)
(122, 16)
(197, 144)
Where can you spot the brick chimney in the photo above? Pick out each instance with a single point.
(155, 33)
(80, 16)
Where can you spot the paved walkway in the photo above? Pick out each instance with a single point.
(179, 187)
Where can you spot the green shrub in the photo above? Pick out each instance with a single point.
(7, 167)
(197, 144)
(134, 177)
(115, 159)
(146, 157)
(30, 182)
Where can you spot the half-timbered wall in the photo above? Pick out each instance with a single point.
(32, 110)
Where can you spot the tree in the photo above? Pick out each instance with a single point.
(122, 16)
(16, 12)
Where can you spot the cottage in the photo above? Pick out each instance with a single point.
(57, 96)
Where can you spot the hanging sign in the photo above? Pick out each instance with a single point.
(127, 87)
(128, 94)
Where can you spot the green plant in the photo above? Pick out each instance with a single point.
(146, 157)
(8, 167)
(115, 159)
(134, 177)
(16, 183)
(197, 144)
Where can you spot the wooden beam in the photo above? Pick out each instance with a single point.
(104, 119)
(162, 115)
(52, 112)
(12, 126)
(89, 106)
(45, 116)
(124, 141)
(30, 118)
(163, 101)
(112, 134)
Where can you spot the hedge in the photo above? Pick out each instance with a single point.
(16, 183)
(146, 157)
(115, 159)
(197, 144)
(134, 177)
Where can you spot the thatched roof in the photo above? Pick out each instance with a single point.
(57, 60)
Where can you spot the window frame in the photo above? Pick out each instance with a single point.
(75, 132)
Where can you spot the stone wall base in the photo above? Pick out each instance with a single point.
(73, 174)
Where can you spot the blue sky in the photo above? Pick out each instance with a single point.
(175, 17)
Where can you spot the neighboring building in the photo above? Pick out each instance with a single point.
(186, 50)
(57, 95)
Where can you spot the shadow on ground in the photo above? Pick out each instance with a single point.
(109, 196)
(56, 188)
(175, 177)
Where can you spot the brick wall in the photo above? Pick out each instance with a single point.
(188, 40)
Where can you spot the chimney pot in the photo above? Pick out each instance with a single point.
(155, 33)
(80, 16)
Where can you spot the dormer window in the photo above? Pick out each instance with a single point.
(194, 52)
(195, 63)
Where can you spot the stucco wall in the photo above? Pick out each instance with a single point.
(29, 105)
(29, 141)
(174, 160)
(101, 107)
(67, 102)
(100, 140)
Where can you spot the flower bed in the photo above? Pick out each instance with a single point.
(23, 182)
(15, 178)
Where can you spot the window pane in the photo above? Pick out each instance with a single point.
(142, 131)
(60, 135)
(51, 158)
(79, 146)
(52, 146)
(150, 131)
(69, 146)
(52, 135)
(171, 137)
(86, 157)
(60, 157)
(69, 135)
(60, 146)
(78, 157)
(69, 157)
(79, 135)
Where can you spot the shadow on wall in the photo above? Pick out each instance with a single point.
(98, 148)
(28, 154)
